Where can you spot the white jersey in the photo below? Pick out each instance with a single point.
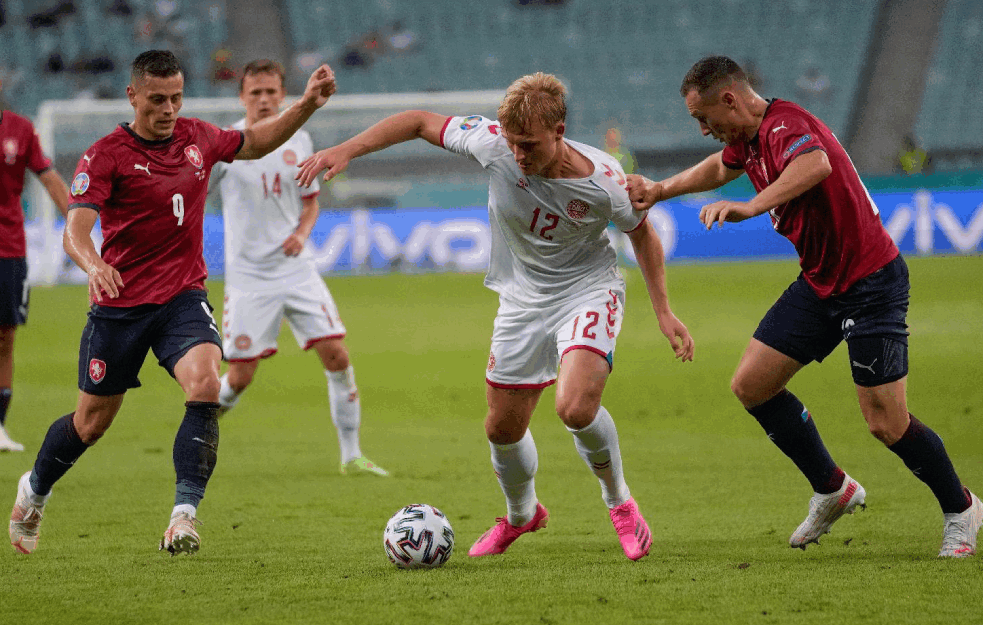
(549, 235)
(262, 204)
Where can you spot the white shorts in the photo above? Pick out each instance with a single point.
(251, 319)
(528, 344)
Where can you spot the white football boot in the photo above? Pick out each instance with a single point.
(181, 536)
(7, 443)
(824, 510)
(959, 533)
(25, 518)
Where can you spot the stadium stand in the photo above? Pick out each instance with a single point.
(48, 47)
(950, 123)
(622, 61)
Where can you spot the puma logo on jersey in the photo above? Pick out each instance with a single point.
(87, 158)
(145, 168)
(782, 127)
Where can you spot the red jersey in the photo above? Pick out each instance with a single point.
(834, 226)
(151, 201)
(21, 151)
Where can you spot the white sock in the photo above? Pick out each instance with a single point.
(515, 465)
(346, 411)
(184, 507)
(227, 397)
(36, 499)
(598, 446)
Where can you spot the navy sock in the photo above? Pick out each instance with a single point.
(789, 425)
(923, 453)
(5, 394)
(59, 451)
(195, 451)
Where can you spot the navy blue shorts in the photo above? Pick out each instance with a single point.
(870, 316)
(14, 293)
(115, 341)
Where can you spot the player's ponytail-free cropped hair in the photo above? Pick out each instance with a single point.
(262, 66)
(159, 63)
(708, 72)
(534, 97)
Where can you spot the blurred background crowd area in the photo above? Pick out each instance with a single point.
(897, 80)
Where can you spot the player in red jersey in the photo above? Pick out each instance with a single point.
(853, 286)
(21, 151)
(147, 181)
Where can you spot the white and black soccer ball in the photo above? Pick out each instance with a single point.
(418, 536)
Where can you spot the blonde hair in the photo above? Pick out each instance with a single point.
(535, 97)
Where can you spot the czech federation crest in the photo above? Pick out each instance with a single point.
(194, 155)
(97, 370)
(290, 157)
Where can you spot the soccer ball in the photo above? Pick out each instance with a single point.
(418, 537)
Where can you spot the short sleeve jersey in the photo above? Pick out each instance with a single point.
(151, 201)
(549, 238)
(262, 205)
(21, 151)
(835, 226)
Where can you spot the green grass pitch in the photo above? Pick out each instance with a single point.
(286, 539)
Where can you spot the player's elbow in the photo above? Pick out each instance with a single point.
(821, 168)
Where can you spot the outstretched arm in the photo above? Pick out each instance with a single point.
(394, 129)
(267, 135)
(802, 174)
(708, 174)
(651, 261)
(57, 189)
(77, 240)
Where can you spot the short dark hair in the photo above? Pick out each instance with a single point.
(708, 72)
(262, 66)
(159, 63)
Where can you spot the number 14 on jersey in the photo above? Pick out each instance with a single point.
(275, 190)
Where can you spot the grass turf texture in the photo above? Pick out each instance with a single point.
(287, 539)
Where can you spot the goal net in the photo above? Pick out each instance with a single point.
(68, 127)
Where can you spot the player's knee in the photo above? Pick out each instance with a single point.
(576, 413)
(503, 433)
(334, 355)
(747, 393)
(204, 387)
(239, 380)
(884, 426)
(883, 432)
(91, 427)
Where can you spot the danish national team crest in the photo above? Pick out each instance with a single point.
(194, 155)
(491, 362)
(290, 157)
(10, 150)
(243, 342)
(97, 370)
(577, 209)
(81, 184)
